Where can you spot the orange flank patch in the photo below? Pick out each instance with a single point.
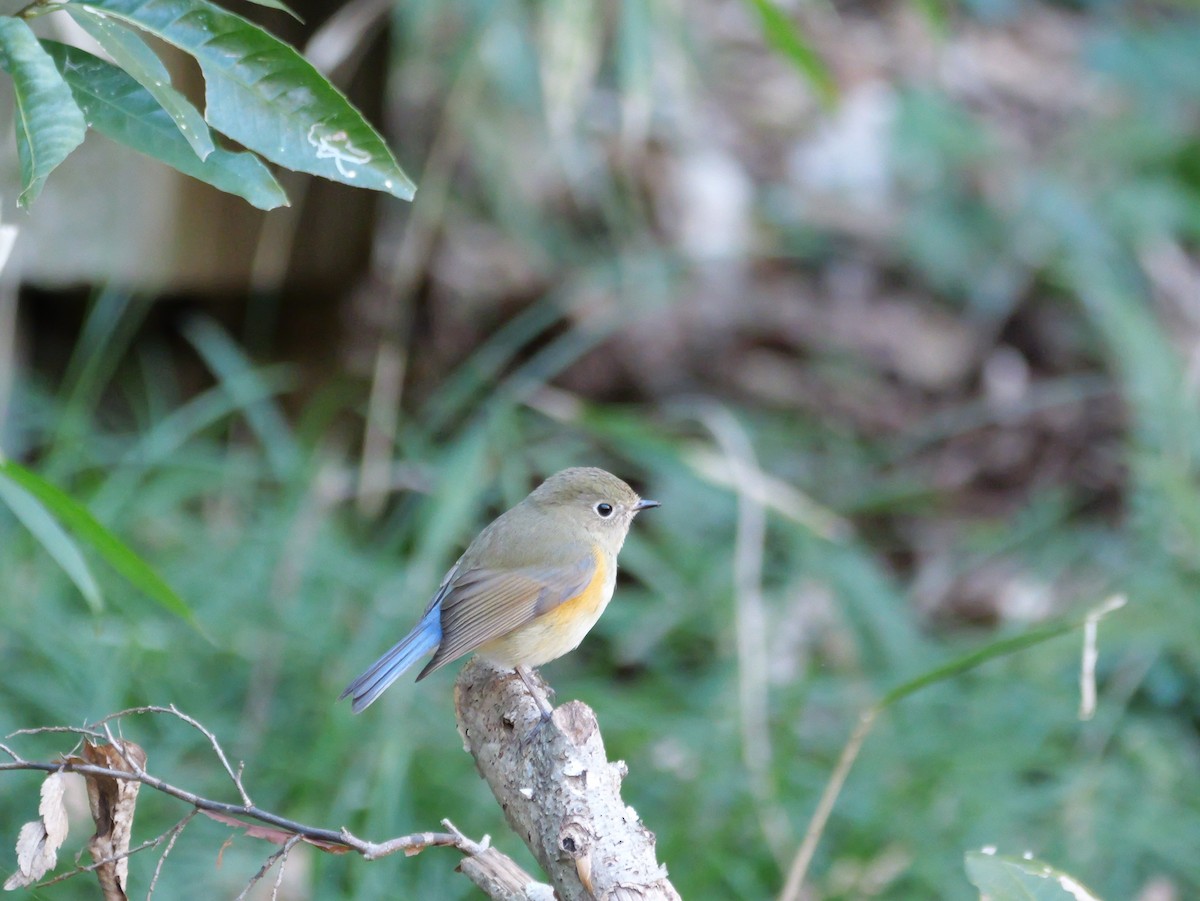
(558, 630)
(588, 604)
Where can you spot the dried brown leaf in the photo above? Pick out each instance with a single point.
(112, 802)
(39, 840)
(52, 809)
(273, 833)
(221, 851)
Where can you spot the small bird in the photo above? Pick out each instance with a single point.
(527, 589)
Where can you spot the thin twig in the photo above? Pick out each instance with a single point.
(174, 832)
(466, 844)
(481, 856)
(172, 710)
(816, 826)
(281, 854)
(44, 730)
(113, 858)
(409, 844)
(123, 750)
(282, 866)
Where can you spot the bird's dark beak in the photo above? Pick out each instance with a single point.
(644, 504)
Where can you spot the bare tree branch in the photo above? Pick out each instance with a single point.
(497, 874)
(172, 710)
(557, 788)
(553, 781)
(486, 867)
(325, 838)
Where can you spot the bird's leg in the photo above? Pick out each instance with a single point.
(543, 705)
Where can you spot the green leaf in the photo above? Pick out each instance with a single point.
(49, 124)
(782, 34)
(279, 5)
(266, 96)
(120, 108)
(1019, 879)
(131, 53)
(58, 544)
(84, 525)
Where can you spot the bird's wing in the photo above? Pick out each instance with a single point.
(479, 605)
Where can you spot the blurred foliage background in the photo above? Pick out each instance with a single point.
(911, 369)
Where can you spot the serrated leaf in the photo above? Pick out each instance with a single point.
(132, 54)
(1001, 878)
(266, 96)
(49, 124)
(85, 526)
(120, 108)
(57, 543)
(52, 810)
(782, 34)
(38, 841)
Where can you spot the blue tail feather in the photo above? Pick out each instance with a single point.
(426, 636)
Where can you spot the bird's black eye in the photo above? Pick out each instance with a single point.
(604, 510)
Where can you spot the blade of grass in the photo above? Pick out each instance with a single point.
(207, 409)
(231, 367)
(107, 333)
(484, 367)
(80, 521)
(173, 431)
(51, 536)
(783, 35)
(972, 659)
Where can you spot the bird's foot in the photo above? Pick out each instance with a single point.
(543, 705)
